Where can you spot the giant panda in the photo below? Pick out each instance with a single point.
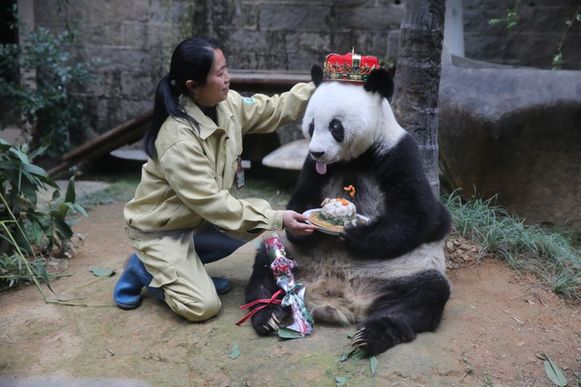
(386, 276)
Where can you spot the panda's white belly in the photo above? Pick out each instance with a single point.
(340, 288)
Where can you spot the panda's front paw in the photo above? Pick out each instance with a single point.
(354, 237)
(377, 335)
(352, 223)
(268, 320)
(347, 231)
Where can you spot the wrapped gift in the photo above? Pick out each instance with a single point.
(294, 297)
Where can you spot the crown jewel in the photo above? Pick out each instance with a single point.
(349, 67)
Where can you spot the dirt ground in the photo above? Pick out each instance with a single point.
(494, 326)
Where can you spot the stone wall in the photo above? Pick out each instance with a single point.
(134, 38)
(132, 41)
(292, 35)
(532, 42)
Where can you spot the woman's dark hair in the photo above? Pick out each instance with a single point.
(192, 60)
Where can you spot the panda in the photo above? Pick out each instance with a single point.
(386, 276)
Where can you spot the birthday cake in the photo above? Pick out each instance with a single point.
(334, 213)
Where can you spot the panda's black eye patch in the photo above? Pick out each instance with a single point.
(336, 129)
(311, 128)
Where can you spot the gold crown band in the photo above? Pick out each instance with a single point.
(356, 71)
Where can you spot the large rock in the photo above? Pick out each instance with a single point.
(515, 132)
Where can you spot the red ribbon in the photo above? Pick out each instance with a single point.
(265, 301)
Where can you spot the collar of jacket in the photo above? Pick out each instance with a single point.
(205, 125)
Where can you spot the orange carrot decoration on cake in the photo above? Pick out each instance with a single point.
(350, 189)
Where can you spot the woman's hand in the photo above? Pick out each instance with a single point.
(295, 223)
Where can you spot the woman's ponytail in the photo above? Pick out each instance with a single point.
(191, 60)
(166, 102)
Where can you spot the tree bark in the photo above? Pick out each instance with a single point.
(417, 79)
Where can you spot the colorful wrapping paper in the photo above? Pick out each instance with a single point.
(281, 267)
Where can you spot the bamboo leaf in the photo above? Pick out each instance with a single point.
(63, 229)
(344, 356)
(235, 352)
(44, 274)
(554, 373)
(4, 145)
(35, 170)
(373, 365)
(37, 152)
(355, 354)
(56, 194)
(8, 165)
(289, 334)
(80, 209)
(102, 272)
(71, 195)
(19, 154)
(358, 354)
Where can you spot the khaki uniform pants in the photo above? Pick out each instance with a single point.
(176, 269)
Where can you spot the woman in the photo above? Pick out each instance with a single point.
(183, 198)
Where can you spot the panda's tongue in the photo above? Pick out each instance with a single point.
(321, 168)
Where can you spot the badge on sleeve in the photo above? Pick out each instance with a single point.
(242, 165)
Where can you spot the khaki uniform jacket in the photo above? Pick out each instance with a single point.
(191, 178)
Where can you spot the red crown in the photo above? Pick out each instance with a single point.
(350, 67)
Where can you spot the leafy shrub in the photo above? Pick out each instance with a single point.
(36, 80)
(29, 233)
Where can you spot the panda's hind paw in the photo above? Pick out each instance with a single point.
(272, 324)
(358, 339)
(267, 321)
(379, 334)
(364, 339)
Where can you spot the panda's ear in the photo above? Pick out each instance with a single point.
(380, 81)
(317, 74)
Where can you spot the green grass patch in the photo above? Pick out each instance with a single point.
(121, 189)
(549, 254)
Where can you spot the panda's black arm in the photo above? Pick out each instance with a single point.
(263, 286)
(412, 214)
(307, 195)
(261, 283)
(387, 236)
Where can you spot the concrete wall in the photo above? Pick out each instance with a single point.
(292, 35)
(534, 40)
(134, 38)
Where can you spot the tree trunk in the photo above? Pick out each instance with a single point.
(417, 79)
